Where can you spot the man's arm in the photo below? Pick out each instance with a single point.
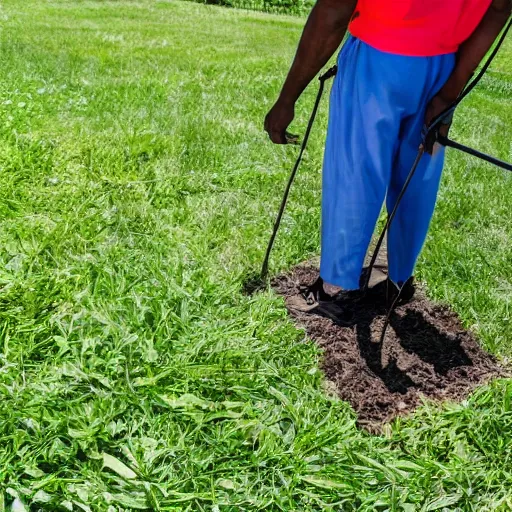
(469, 56)
(323, 34)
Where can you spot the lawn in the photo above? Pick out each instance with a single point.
(137, 192)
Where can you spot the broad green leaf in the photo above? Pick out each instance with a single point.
(323, 483)
(279, 395)
(77, 434)
(376, 465)
(289, 436)
(187, 401)
(407, 465)
(35, 472)
(129, 455)
(151, 381)
(82, 506)
(42, 497)
(442, 502)
(233, 405)
(381, 503)
(221, 415)
(118, 467)
(130, 502)
(18, 506)
(226, 484)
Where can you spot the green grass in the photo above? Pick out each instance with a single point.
(137, 191)
(290, 7)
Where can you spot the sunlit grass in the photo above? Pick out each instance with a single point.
(137, 191)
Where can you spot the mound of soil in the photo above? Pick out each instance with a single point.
(426, 353)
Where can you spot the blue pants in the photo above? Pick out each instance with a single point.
(377, 112)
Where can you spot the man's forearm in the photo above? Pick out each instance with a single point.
(475, 48)
(323, 34)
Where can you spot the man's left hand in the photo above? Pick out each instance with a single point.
(437, 106)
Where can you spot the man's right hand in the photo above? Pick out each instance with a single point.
(277, 121)
(323, 34)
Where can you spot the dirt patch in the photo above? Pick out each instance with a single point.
(426, 354)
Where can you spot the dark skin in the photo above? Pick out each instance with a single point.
(469, 56)
(322, 36)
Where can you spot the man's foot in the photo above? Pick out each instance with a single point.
(314, 299)
(390, 291)
(405, 290)
(315, 293)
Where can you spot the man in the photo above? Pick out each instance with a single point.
(403, 64)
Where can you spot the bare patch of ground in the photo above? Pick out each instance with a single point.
(426, 354)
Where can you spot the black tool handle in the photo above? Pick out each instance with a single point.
(445, 141)
(329, 74)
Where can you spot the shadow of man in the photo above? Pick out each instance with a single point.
(359, 312)
(414, 333)
(417, 335)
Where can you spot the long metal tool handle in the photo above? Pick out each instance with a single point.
(445, 141)
(329, 74)
(434, 126)
(392, 215)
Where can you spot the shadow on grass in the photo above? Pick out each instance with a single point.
(254, 283)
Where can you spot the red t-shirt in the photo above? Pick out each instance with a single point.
(421, 28)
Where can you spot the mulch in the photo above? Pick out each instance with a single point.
(426, 354)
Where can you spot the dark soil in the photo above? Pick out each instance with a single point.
(426, 353)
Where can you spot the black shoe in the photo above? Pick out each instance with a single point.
(388, 291)
(315, 293)
(405, 290)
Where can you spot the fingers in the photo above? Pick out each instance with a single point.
(430, 141)
(444, 129)
(291, 138)
(277, 136)
(429, 116)
(432, 138)
(277, 121)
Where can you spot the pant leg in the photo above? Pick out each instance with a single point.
(409, 229)
(361, 146)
